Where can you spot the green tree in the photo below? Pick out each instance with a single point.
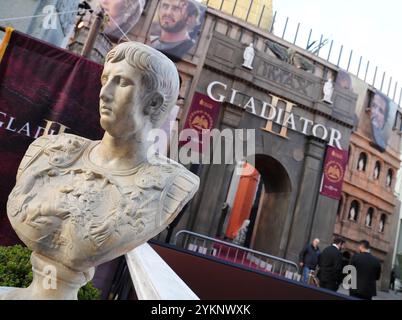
(16, 271)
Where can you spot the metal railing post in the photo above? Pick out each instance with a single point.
(400, 98)
(297, 33)
(360, 64)
(367, 69)
(389, 86)
(234, 8)
(262, 15)
(382, 81)
(273, 22)
(350, 60)
(375, 75)
(319, 45)
(249, 10)
(330, 49)
(284, 29)
(396, 86)
(340, 56)
(308, 40)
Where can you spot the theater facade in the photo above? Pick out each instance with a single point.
(282, 99)
(293, 126)
(299, 118)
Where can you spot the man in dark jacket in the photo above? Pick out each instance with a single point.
(330, 266)
(368, 271)
(308, 259)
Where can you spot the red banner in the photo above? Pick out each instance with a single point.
(203, 115)
(334, 172)
(41, 86)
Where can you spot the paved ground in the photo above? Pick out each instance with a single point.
(381, 295)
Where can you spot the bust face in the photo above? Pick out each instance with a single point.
(121, 106)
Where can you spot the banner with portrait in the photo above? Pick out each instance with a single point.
(382, 119)
(42, 88)
(122, 16)
(176, 27)
(334, 173)
(343, 80)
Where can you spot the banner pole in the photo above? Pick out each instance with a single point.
(93, 33)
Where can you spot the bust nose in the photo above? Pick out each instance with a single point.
(106, 93)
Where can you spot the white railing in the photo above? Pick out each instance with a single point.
(153, 279)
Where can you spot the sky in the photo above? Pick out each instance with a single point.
(372, 29)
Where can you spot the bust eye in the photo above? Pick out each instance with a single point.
(104, 79)
(124, 82)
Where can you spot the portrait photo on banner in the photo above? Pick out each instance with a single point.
(382, 118)
(345, 81)
(122, 16)
(176, 27)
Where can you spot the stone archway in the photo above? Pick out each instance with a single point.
(273, 205)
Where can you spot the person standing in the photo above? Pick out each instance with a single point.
(330, 266)
(394, 275)
(308, 259)
(368, 272)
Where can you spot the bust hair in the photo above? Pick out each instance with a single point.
(158, 75)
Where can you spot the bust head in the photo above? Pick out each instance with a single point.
(140, 86)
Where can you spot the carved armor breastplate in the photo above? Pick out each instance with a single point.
(82, 215)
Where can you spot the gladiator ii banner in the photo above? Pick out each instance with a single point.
(334, 172)
(203, 115)
(42, 88)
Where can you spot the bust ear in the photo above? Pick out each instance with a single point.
(153, 106)
(156, 101)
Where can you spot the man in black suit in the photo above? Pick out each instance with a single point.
(330, 266)
(368, 271)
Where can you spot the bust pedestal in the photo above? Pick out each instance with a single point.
(51, 281)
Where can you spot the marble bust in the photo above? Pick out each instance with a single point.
(79, 203)
(248, 56)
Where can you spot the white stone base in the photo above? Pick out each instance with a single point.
(5, 290)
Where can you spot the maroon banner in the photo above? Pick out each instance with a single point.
(203, 115)
(334, 172)
(41, 86)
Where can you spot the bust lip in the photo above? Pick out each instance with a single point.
(105, 109)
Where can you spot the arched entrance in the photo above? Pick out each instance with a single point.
(263, 197)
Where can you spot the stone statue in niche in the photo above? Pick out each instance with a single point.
(352, 214)
(248, 56)
(368, 220)
(328, 91)
(389, 179)
(381, 228)
(376, 172)
(79, 203)
(361, 165)
(242, 233)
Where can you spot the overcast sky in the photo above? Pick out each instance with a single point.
(371, 28)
